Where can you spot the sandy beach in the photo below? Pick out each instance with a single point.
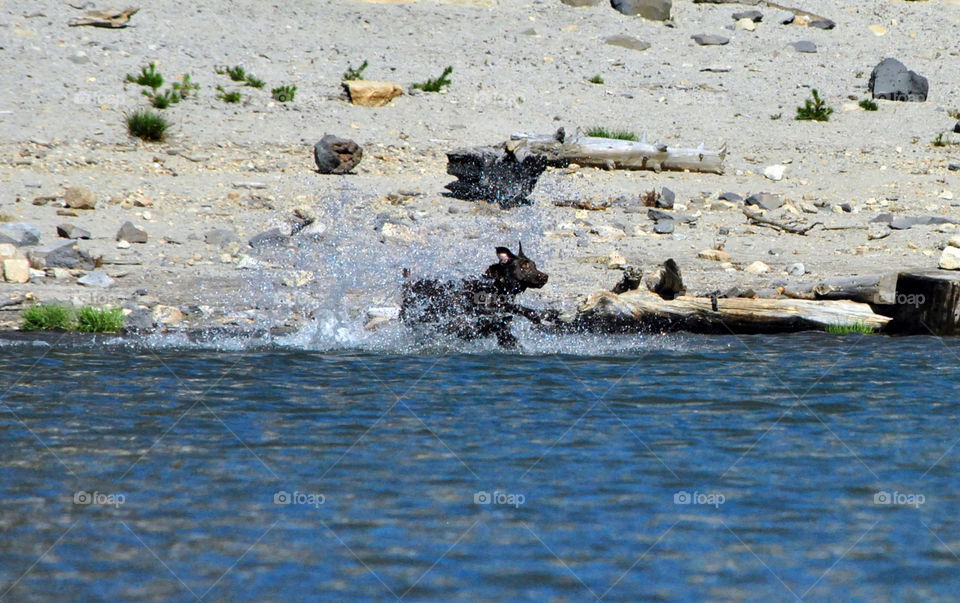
(520, 66)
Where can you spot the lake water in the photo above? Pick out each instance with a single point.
(809, 467)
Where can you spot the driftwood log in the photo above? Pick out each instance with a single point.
(508, 173)
(876, 289)
(643, 311)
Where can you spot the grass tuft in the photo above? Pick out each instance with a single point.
(436, 84)
(149, 76)
(185, 88)
(355, 74)
(602, 132)
(255, 82)
(147, 125)
(46, 318)
(815, 110)
(237, 74)
(856, 327)
(940, 142)
(164, 100)
(868, 105)
(596, 80)
(99, 320)
(284, 94)
(229, 97)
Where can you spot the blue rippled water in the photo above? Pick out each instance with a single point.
(805, 467)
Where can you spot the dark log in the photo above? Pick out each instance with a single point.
(927, 303)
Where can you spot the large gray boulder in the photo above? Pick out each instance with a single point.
(891, 80)
(655, 10)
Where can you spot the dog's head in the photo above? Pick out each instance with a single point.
(516, 273)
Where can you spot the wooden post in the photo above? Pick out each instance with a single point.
(927, 303)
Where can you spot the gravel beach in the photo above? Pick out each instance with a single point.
(228, 172)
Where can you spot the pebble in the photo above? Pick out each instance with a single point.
(949, 259)
(70, 231)
(796, 270)
(804, 46)
(732, 197)
(131, 233)
(774, 172)
(717, 255)
(16, 270)
(79, 197)
(746, 24)
(757, 267)
(765, 201)
(954, 167)
(710, 39)
(753, 15)
(666, 198)
(97, 278)
(663, 227)
(123, 244)
(628, 42)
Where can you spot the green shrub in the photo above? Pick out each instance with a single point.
(237, 74)
(284, 94)
(601, 132)
(149, 76)
(46, 318)
(255, 82)
(147, 125)
(596, 80)
(815, 110)
(164, 100)
(436, 84)
(99, 320)
(868, 105)
(229, 97)
(355, 74)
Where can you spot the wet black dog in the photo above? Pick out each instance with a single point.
(476, 308)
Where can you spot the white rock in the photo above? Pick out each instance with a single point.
(388, 312)
(746, 24)
(774, 172)
(796, 270)
(16, 270)
(123, 244)
(8, 251)
(950, 258)
(97, 278)
(757, 267)
(954, 241)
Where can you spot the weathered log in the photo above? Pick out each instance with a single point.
(562, 149)
(643, 311)
(111, 17)
(783, 226)
(878, 289)
(927, 303)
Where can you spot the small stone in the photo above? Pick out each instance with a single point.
(949, 259)
(663, 227)
(335, 155)
(807, 207)
(784, 17)
(60, 255)
(20, 234)
(954, 167)
(97, 278)
(754, 15)
(218, 237)
(616, 260)
(666, 198)
(132, 234)
(123, 244)
(774, 172)
(167, 315)
(878, 30)
(79, 197)
(272, 237)
(716, 255)
(796, 270)
(710, 39)
(804, 46)
(627, 42)
(954, 241)
(956, 127)
(16, 270)
(746, 24)
(732, 197)
(654, 10)
(368, 93)
(757, 267)
(70, 231)
(314, 230)
(765, 201)
(60, 273)
(138, 319)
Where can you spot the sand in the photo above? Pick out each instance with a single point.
(519, 66)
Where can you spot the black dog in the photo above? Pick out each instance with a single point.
(476, 308)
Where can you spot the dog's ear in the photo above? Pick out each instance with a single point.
(520, 250)
(505, 255)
